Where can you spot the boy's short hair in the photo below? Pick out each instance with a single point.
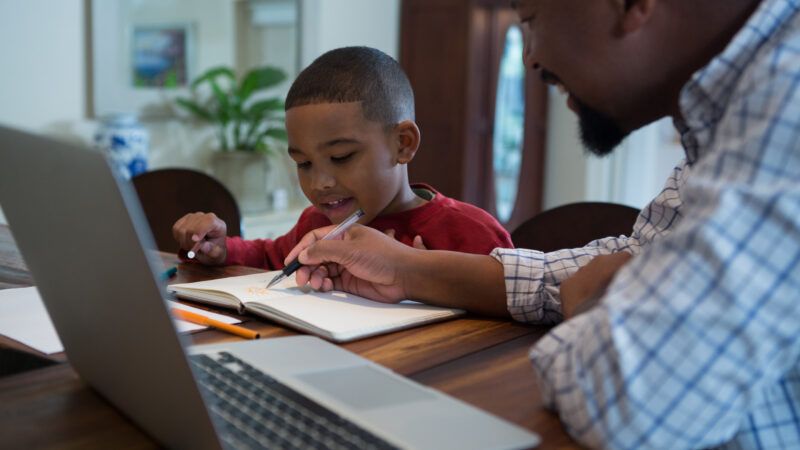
(356, 74)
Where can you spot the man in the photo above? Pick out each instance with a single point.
(687, 333)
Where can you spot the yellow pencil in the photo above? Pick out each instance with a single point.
(207, 321)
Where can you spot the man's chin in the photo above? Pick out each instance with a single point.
(599, 133)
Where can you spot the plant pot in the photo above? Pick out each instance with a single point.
(245, 175)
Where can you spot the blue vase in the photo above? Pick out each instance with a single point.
(126, 143)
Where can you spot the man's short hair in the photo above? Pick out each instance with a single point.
(356, 74)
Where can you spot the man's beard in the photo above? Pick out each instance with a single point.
(599, 133)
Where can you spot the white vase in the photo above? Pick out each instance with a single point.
(125, 141)
(245, 175)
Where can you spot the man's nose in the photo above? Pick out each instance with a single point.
(528, 56)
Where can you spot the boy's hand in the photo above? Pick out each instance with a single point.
(417, 243)
(582, 290)
(204, 231)
(364, 261)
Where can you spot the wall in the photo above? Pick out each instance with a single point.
(330, 24)
(632, 175)
(42, 82)
(565, 161)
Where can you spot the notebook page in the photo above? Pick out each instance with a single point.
(244, 288)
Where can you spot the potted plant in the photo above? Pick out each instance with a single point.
(248, 127)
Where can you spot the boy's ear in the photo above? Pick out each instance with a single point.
(407, 137)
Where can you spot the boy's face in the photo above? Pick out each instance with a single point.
(345, 161)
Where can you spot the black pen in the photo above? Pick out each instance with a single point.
(333, 234)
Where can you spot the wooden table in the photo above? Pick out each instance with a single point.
(481, 361)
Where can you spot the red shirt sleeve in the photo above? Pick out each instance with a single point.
(269, 253)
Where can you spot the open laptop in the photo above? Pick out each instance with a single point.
(84, 238)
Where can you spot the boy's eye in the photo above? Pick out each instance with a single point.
(341, 159)
(304, 165)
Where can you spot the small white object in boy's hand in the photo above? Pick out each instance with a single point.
(191, 254)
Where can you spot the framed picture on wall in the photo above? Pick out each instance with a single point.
(140, 61)
(160, 56)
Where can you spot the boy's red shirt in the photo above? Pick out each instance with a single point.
(443, 223)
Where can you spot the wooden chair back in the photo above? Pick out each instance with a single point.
(167, 195)
(574, 225)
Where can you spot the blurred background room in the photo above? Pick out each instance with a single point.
(97, 71)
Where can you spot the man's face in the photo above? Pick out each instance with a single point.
(344, 161)
(577, 45)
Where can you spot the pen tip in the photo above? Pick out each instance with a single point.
(275, 281)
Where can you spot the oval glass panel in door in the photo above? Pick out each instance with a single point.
(509, 127)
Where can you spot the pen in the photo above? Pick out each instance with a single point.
(333, 234)
(207, 321)
(193, 252)
(169, 273)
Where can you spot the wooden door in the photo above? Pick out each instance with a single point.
(451, 50)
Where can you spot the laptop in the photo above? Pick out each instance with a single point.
(84, 238)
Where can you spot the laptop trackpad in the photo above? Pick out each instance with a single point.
(364, 387)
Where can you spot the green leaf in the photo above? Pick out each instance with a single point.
(277, 133)
(260, 78)
(195, 109)
(223, 106)
(262, 147)
(258, 109)
(212, 74)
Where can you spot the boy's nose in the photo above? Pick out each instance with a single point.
(323, 181)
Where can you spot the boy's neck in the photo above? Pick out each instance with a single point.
(405, 200)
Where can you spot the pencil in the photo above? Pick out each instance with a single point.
(207, 321)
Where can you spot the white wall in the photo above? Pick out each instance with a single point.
(330, 24)
(565, 161)
(632, 175)
(42, 80)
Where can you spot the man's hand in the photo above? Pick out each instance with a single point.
(365, 262)
(207, 232)
(581, 291)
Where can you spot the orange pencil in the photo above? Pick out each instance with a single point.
(203, 320)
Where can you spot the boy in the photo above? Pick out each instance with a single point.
(350, 121)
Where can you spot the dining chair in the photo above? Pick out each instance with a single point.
(167, 195)
(574, 225)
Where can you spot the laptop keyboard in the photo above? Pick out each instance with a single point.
(261, 412)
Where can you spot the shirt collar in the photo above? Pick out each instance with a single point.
(705, 97)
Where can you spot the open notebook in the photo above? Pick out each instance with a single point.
(337, 316)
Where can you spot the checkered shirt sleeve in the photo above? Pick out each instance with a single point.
(533, 278)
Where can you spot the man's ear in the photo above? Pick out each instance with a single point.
(407, 137)
(635, 14)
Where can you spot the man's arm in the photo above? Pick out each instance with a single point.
(523, 283)
(697, 337)
(533, 279)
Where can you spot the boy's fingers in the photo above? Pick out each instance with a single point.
(212, 250)
(418, 244)
(390, 233)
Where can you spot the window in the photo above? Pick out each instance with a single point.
(509, 127)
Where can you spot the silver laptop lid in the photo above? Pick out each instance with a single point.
(83, 234)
